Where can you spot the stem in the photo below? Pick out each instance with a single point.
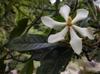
(57, 6)
(33, 22)
(92, 11)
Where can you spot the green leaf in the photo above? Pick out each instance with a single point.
(29, 43)
(28, 68)
(2, 66)
(35, 43)
(20, 28)
(55, 61)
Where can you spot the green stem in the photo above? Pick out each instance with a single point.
(92, 11)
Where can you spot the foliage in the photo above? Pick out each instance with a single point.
(18, 17)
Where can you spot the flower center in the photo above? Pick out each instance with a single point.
(69, 22)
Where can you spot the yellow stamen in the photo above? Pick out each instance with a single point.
(69, 22)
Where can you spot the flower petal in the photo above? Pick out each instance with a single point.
(14, 72)
(70, 71)
(52, 1)
(75, 42)
(49, 22)
(58, 36)
(84, 32)
(81, 14)
(97, 3)
(72, 68)
(64, 11)
(92, 66)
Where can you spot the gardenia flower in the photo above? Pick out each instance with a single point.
(14, 71)
(97, 3)
(72, 68)
(92, 66)
(82, 66)
(68, 25)
(53, 1)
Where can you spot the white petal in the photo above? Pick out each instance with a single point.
(75, 42)
(14, 72)
(49, 22)
(70, 71)
(72, 68)
(92, 66)
(97, 3)
(52, 1)
(84, 32)
(81, 14)
(58, 36)
(64, 11)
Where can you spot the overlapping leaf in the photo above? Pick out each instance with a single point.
(29, 43)
(55, 61)
(20, 28)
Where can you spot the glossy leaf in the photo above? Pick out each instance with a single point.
(28, 68)
(20, 28)
(29, 43)
(55, 61)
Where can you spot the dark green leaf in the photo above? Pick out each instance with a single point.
(55, 61)
(29, 43)
(2, 67)
(20, 28)
(28, 68)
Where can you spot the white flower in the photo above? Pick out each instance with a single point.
(69, 25)
(82, 66)
(97, 3)
(92, 66)
(53, 1)
(72, 68)
(14, 71)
